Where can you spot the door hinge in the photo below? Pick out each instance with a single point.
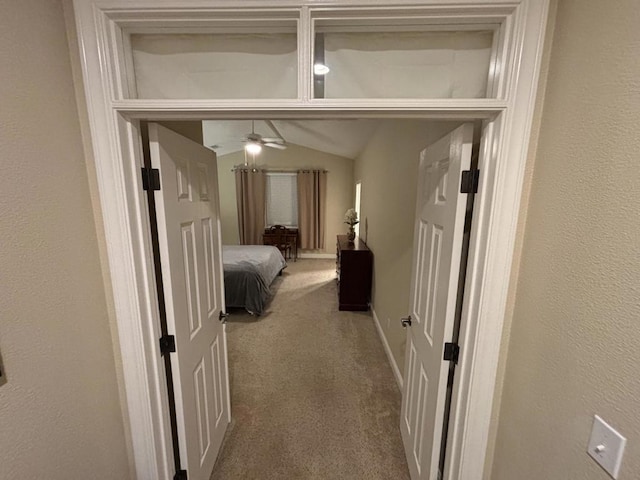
(469, 182)
(180, 475)
(451, 352)
(150, 178)
(167, 344)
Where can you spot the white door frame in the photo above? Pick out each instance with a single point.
(114, 131)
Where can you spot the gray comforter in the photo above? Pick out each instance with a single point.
(248, 272)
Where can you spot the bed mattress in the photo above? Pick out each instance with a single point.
(249, 270)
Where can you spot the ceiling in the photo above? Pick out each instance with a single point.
(346, 138)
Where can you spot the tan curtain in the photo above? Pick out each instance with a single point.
(250, 199)
(312, 193)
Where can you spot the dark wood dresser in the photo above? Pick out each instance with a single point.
(354, 265)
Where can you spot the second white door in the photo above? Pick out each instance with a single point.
(437, 249)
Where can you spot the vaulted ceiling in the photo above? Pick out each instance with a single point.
(346, 138)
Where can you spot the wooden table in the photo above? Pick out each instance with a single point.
(286, 239)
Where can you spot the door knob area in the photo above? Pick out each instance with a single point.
(406, 321)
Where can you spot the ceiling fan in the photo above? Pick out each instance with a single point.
(254, 142)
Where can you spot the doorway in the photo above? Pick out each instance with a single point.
(169, 458)
(385, 132)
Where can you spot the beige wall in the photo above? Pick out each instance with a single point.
(388, 169)
(340, 186)
(575, 338)
(189, 129)
(60, 413)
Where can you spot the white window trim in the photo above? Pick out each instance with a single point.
(114, 133)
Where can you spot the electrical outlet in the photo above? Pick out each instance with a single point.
(606, 446)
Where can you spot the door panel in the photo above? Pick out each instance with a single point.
(437, 247)
(190, 250)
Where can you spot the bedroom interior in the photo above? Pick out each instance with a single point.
(381, 155)
(383, 159)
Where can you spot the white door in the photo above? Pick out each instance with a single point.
(437, 246)
(190, 251)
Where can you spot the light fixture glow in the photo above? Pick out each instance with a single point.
(320, 69)
(253, 147)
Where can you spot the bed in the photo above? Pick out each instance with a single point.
(248, 273)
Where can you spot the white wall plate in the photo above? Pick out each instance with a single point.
(606, 446)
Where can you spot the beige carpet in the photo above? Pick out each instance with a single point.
(312, 394)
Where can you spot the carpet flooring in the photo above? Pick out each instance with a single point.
(312, 393)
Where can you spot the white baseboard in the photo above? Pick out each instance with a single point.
(387, 349)
(316, 255)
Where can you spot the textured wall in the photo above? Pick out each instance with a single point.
(60, 414)
(388, 169)
(340, 186)
(575, 337)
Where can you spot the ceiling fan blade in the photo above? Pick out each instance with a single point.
(279, 146)
(273, 139)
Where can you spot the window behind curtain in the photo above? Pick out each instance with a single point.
(282, 199)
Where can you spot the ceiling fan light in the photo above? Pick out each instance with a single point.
(253, 147)
(320, 69)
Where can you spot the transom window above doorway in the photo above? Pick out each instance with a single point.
(314, 56)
